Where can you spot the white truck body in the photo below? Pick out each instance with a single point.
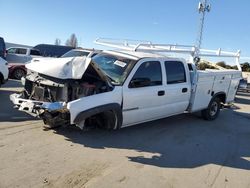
(119, 104)
(4, 71)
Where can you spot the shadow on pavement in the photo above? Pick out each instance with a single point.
(244, 94)
(182, 141)
(242, 100)
(7, 112)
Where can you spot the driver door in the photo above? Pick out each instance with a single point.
(143, 93)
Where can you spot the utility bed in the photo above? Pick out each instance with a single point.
(212, 81)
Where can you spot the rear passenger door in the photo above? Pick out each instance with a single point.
(177, 87)
(143, 93)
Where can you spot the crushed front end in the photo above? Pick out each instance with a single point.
(47, 97)
(43, 98)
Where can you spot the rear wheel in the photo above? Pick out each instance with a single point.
(18, 73)
(213, 110)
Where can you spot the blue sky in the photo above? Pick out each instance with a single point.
(163, 21)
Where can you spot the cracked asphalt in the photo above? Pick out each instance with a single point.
(180, 151)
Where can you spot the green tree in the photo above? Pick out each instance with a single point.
(245, 67)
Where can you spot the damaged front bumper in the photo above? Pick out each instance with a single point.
(53, 113)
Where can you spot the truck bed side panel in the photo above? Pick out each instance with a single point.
(202, 94)
(233, 87)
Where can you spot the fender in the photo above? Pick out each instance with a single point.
(115, 107)
(219, 94)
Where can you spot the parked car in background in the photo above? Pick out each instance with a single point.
(4, 72)
(2, 48)
(21, 55)
(49, 50)
(17, 57)
(244, 86)
(17, 70)
(81, 52)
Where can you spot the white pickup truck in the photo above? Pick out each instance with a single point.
(119, 88)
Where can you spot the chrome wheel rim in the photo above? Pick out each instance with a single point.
(214, 108)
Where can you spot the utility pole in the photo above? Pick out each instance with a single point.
(203, 7)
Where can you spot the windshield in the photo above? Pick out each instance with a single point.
(116, 68)
(74, 53)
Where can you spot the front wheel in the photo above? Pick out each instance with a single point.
(213, 110)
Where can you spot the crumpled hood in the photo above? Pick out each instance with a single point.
(63, 68)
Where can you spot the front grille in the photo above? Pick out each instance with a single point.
(47, 93)
(39, 93)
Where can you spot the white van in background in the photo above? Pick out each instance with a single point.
(21, 55)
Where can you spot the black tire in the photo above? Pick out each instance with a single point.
(105, 120)
(18, 73)
(213, 110)
(1, 79)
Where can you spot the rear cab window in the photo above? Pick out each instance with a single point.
(175, 71)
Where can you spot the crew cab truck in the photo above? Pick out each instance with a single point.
(119, 88)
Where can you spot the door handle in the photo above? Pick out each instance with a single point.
(184, 90)
(161, 93)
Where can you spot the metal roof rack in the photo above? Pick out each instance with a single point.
(147, 46)
(144, 46)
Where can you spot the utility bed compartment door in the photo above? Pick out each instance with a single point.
(221, 83)
(233, 87)
(202, 93)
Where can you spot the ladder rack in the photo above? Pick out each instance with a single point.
(147, 46)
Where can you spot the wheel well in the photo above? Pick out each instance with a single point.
(109, 114)
(106, 119)
(221, 96)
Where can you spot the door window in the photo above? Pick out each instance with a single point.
(148, 74)
(11, 50)
(21, 51)
(175, 72)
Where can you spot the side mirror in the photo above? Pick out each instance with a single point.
(139, 82)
